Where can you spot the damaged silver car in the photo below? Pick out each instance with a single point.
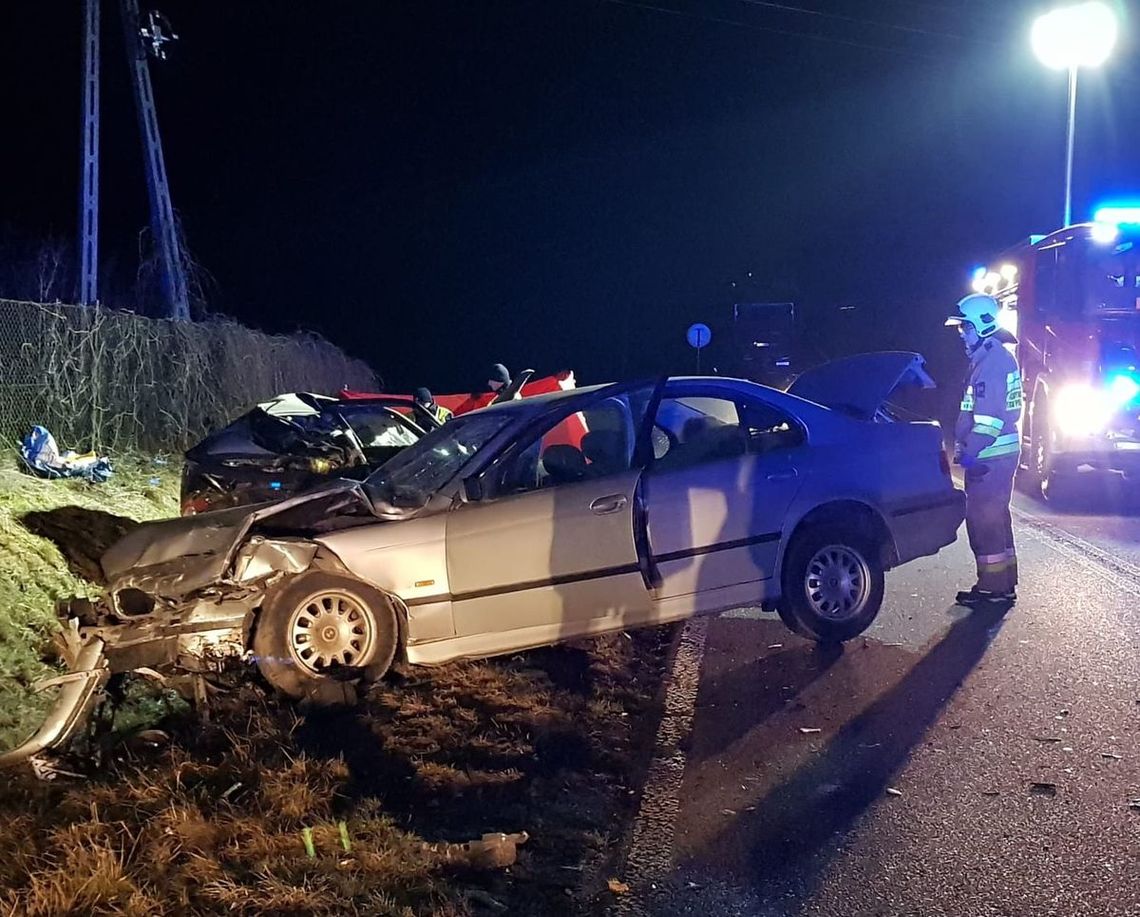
(551, 518)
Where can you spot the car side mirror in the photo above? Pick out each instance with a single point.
(473, 489)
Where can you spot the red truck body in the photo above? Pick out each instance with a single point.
(1073, 300)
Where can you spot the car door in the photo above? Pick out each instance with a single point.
(549, 547)
(724, 474)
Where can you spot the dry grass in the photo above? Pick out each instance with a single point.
(546, 742)
(543, 742)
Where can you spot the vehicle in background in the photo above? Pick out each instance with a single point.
(524, 385)
(291, 443)
(764, 338)
(1073, 300)
(496, 533)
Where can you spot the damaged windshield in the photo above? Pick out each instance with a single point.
(372, 426)
(410, 478)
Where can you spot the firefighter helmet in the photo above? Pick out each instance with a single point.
(978, 310)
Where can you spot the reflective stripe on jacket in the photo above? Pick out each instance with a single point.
(987, 426)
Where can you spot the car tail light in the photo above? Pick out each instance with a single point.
(944, 461)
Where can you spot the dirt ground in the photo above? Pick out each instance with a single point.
(210, 815)
(550, 743)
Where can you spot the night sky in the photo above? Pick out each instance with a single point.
(437, 185)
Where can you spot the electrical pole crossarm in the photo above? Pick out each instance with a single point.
(162, 223)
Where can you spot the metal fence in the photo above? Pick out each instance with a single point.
(108, 380)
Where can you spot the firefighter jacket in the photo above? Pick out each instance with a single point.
(987, 427)
(440, 413)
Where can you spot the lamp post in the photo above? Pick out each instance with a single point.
(1069, 38)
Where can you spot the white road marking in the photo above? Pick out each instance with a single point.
(650, 858)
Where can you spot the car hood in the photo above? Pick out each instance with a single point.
(860, 385)
(175, 557)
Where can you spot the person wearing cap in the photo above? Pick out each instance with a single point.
(426, 402)
(988, 447)
(498, 379)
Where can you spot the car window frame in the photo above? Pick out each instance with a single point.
(740, 400)
(541, 425)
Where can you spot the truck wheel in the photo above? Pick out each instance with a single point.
(832, 584)
(1055, 486)
(319, 629)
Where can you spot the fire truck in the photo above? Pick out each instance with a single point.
(1072, 298)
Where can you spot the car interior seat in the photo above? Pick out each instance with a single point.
(564, 464)
(605, 451)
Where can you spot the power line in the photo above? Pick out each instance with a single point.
(911, 30)
(750, 26)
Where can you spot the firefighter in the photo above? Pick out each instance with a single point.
(987, 446)
(426, 402)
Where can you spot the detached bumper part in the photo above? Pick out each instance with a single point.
(79, 691)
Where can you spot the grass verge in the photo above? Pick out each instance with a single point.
(34, 573)
(548, 742)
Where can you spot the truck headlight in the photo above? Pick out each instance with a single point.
(1081, 410)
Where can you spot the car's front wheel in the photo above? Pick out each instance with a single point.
(320, 629)
(832, 583)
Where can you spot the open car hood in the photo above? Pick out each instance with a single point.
(861, 385)
(174, 557)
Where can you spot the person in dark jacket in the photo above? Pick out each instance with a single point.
(426, 402)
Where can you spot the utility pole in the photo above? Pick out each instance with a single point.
(89, 160)
(162, 225)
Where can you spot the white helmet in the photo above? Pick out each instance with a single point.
(978, 310)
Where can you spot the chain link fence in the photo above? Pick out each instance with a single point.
(114, 381)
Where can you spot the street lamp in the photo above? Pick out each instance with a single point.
(1069, 38)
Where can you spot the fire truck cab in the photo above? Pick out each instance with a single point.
(1073, 300)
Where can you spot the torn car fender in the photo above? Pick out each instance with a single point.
(79, 691)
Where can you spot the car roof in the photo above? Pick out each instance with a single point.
(538, 403)
(533, 403)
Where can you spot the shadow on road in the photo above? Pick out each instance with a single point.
(733, 703)
(790, 827)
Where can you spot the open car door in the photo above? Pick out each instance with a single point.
(549, 543)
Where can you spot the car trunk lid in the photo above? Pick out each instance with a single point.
(861, 385)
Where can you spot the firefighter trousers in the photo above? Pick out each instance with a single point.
(989, 488)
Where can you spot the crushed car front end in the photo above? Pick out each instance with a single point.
(183, 595)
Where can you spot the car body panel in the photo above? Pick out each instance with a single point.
(554, 556)
(718, 524)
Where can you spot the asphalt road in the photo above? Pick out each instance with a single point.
(951, 763)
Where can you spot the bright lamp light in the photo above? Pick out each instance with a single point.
(1081, 410)
(1075, 36)
(1104, 233)
(1007, 320)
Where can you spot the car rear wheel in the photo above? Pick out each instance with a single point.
(322, 629)
(833, 583)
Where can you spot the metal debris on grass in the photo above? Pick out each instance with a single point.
(809, 730)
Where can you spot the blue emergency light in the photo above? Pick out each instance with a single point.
(1124, 213)
(1124, 388)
